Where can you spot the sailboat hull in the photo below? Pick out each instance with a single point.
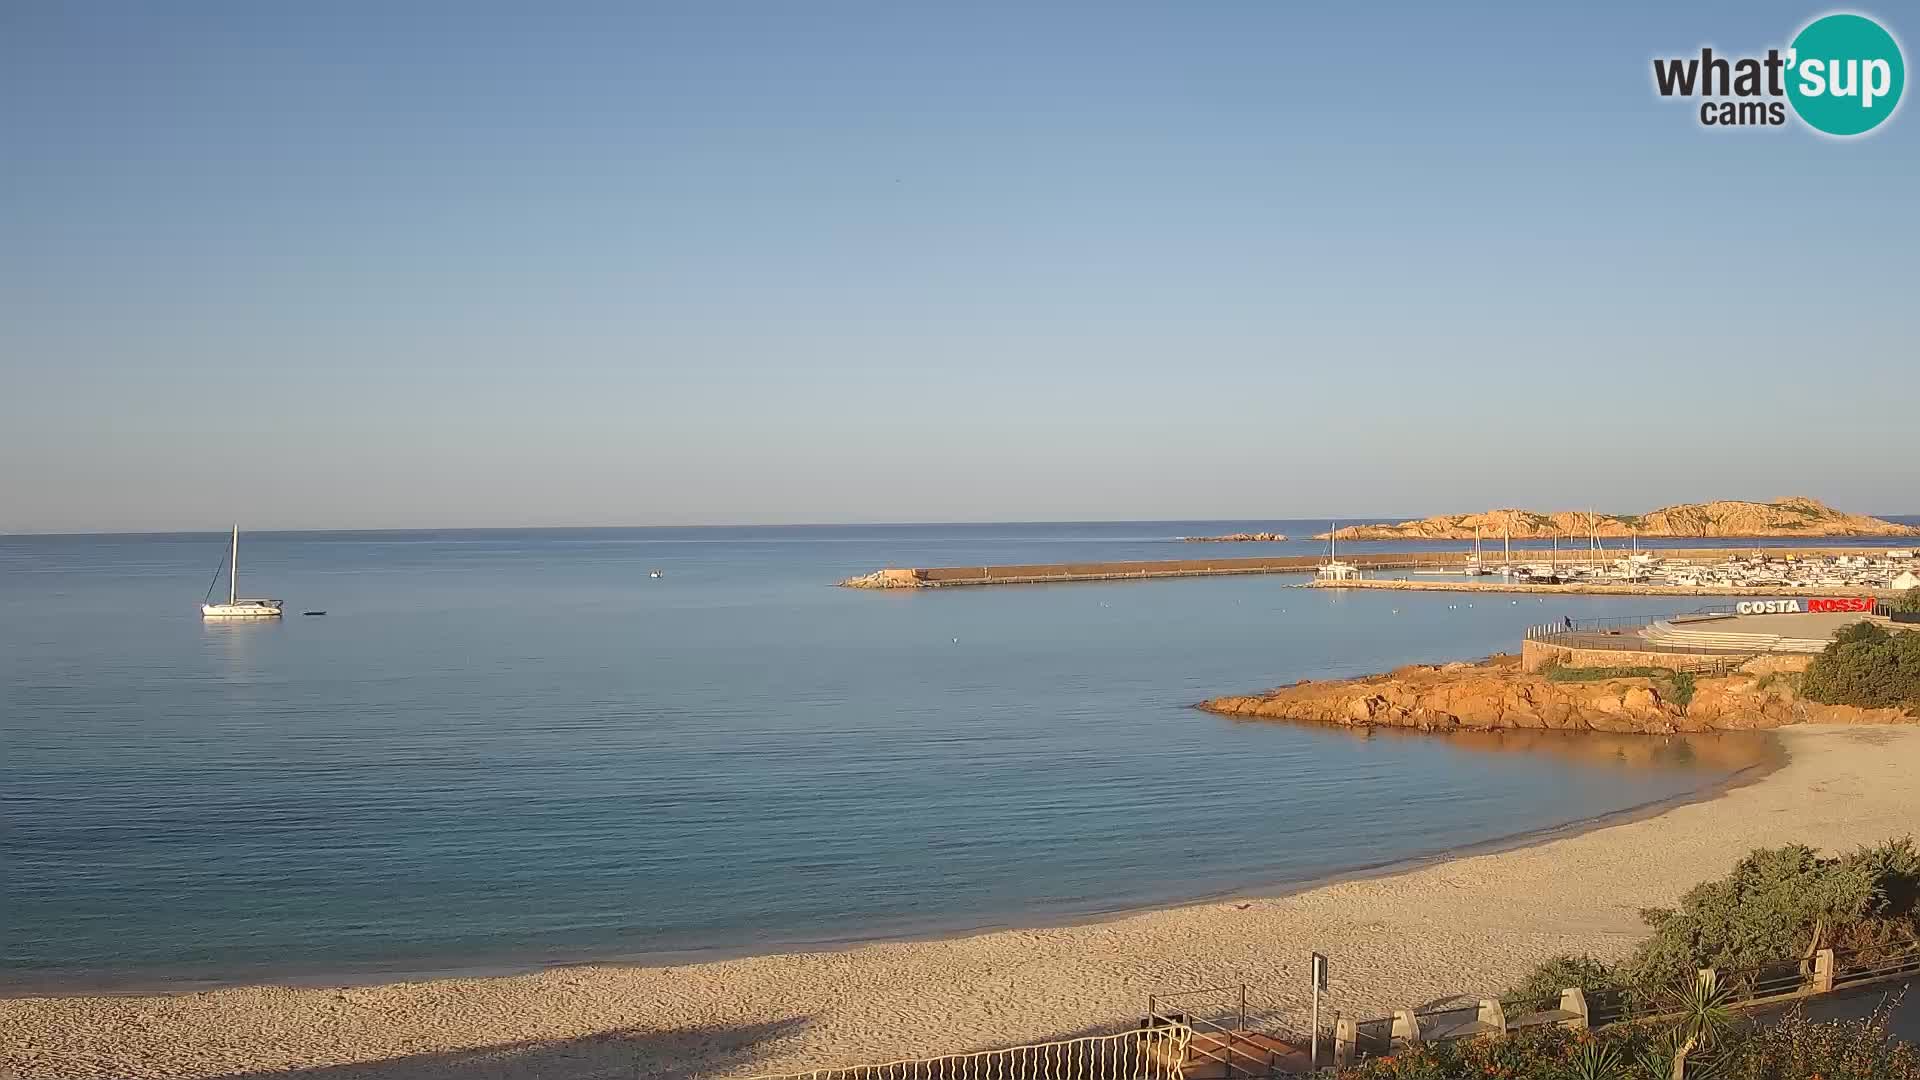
(242, 609)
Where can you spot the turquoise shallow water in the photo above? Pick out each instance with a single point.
(508, 747)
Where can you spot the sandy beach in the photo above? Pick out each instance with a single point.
(1464, 927)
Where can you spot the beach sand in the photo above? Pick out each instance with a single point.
(1466, 927)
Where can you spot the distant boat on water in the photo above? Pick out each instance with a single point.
(1475, 567)
(1333, 569)
(235, 607)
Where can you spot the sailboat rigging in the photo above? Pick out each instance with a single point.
(235, 607)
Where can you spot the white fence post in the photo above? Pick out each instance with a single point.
(1822, 972)
(1346, 1033)
(1406, 1027)
(1574, 1000)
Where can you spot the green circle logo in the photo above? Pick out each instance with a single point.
(1845, 74)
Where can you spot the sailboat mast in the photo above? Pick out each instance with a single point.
(233, 571)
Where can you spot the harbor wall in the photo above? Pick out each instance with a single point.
(1537, 656)
(1042, 573)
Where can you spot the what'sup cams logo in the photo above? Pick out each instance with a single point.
(1842, 75)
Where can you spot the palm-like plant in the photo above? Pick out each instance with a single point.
(1598, 1061)
(1685, 1051)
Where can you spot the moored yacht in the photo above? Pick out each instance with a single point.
(235, 607)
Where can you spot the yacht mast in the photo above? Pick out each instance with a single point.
(233, 571)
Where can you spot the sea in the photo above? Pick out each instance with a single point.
(499, 749)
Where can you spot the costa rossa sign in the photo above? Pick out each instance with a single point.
(1863, 604)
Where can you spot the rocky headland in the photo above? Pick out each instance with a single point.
(1725, 518)
(1496, 695)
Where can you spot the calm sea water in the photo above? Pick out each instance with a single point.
(503, 747)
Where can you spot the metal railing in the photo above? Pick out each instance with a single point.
(1169, 1042)
(1229, 998)
(1232, 1035)
(1768, 983)
(1857, 966)
(1621, 622)
(1149, 1053)
(1637, 645)
(1884, 609)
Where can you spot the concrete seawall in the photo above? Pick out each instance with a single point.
(1039, 573)
(1538, 655)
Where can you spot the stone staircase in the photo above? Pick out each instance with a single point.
(1664, 632)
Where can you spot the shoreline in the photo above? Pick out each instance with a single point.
(1770, 757)
(1458, 927)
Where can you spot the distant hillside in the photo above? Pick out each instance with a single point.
(1782, 517)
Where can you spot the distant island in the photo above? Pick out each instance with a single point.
(1236, 538)
(1725, 518)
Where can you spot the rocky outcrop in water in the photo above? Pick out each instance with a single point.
(886, 579)
(1782, 517)
(1496, 695)
(1236, 538)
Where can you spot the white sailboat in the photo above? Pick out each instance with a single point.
(1333, 569)
(1475, 567)
(235, 607)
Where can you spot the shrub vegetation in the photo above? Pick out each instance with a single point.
(1778, 905)
(1678, 686)
(1868, 666)
(1792, 1049)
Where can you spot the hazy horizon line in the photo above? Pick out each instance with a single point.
(1350, 519)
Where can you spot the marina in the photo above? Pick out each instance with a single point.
(1728, 571)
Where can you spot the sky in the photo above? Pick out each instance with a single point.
(375, 265)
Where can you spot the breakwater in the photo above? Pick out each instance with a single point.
(1046, 573)
(1039, 573)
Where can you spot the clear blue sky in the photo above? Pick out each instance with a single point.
(387, 265)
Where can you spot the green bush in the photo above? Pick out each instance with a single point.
(1683, 687)
(1798, 1049)
(1541, 989)
(1865, 665)
(1777, 905)
(1557, 673)
(1792, 1049)
(1907, 601)
(1678, 685)
(1540, 1052)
